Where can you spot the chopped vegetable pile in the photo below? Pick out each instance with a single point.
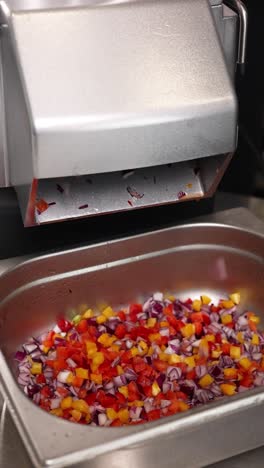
(152, 360)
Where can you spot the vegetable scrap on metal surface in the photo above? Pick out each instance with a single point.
(126, 174)
(134, 194)
(60, 188)
(181, 194)
(145, 362)
(82, 207)
(41, 206)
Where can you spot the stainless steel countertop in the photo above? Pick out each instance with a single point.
(12, 452)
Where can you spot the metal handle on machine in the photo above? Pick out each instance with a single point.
(241, 10)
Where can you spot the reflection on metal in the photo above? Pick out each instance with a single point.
(241, 10)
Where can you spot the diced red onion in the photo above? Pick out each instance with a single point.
(130, 374)
(174, 373)
(158, 296)
(164, 332)
(129, 344)
(63, 376)
(200, 371)
(71, 363)
(120, 380)
(20, 356)
(102, 419)
(55, 403)
(30, 347)
(135, 412)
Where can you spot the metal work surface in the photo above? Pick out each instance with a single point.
(242, 254)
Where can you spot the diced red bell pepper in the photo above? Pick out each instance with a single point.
(120, 331)
(143, 380)
(77, 381)
(116, 423)
(107, 401)
(64, 325)
(147, 390)
(226, 348)
(168, 311)
(125, 357)
(59, 365)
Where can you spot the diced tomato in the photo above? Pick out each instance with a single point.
(107, 401)
(154, 414)
(46, 392)
(174, 407)
(226, 348)
(40, 379)
(90, 398)
(143, 380)
(181, 396)
(120, 398)
(82, 326)
(121, 314)
(191, 375)
(139, 364)
(134, 310)
(218, 338)
(120, 331)
(133, 392)
(168, 310)
(247, 381)
(77, 381)
(147, 390)
(59, 365)
(62, 353)
(126, 356)
(198, 328)
(160, 365)
(116, 423)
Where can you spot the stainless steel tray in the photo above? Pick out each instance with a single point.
(197, 257)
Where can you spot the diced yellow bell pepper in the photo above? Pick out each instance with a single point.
(66, 403)
(123, 390)
(91, 349)
(106, 340)
(203, 348)
(255, 339)
(164, 356)
(82, 373)
(174, 359)
(155, 388)
(77, 415)
(108, 312)
(163, 348)
(100, 319)
(151, 322)
(190, 361)
(206, 300)
(196, 305)
(183, 406)
(123, 415)
(119, 370)
(210, 338)
(96, 378)
(225, 319)
(80, 405)
(240, 337)
(111, 413)
(216, 353)
(136, 403)
(235, 352)
(150, 351)
(114, 347)
(230, 373)
(164, 324)
(245, 363)
(134, 351)
(228, 389)
(36, 368)
(235, 298)
(88, 314)
(57, 412)
(227, 304)
(88, 418)
(154, 336)
(70, 378)
(143, 345)
(171, 298)
(188, 330)
(206, 380)
(255, 319)
(98, 358)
